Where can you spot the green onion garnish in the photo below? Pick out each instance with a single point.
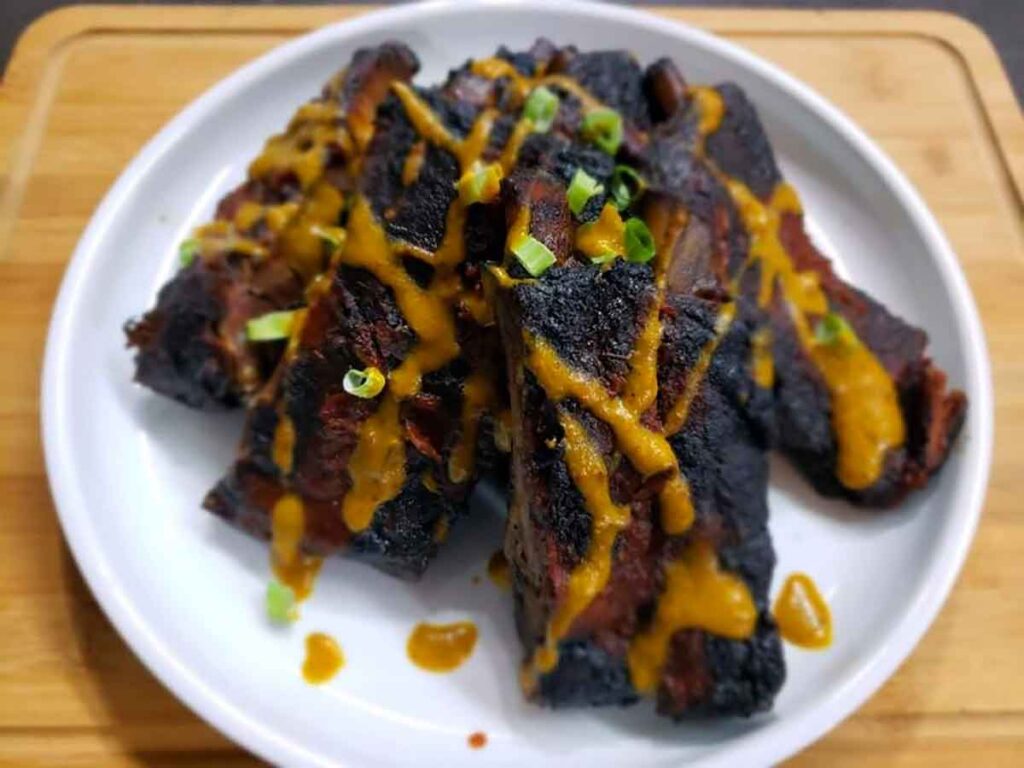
(533, 255)
(271, 326)
(280, 603)
(480, 184)
(626, 186)
(540, 108)
(639, 241)
(188, 251)
(831, 329)
(365, 384)
(604, 258)
(333, 236)
(603, 127)
(582, 187)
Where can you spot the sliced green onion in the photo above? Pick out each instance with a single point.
(281, 603)
(582, 187)
(604, 258)
(626, 186)
(365, 384)
(639, 241)
(832, 329)
(271, 326)
(533, 255)
(188, 251)
(333, 236)
(540, 108)
(603, 127)
(480, 184)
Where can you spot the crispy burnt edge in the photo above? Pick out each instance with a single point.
(191, 346)
(723, 453)
(932, 413)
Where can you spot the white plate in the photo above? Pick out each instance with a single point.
(128, 468)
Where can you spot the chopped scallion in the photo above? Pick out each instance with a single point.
(639, 241)
(540, 108)
(603, 127)
(333, 236)
(604, 258)
(582, 187)
(365, 384)
(480, 184)
(832, 329)
(187, 252)
(626, 185)
(271, 326)
(280, 602)
(533, 255)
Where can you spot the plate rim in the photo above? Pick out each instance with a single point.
(804, 726)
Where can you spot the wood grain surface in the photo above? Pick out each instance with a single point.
(87, 86)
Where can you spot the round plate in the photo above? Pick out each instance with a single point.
(128, 469)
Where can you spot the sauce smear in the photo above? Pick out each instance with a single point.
(802, 613)
(323, 658)
(477, 740)
(441, 647)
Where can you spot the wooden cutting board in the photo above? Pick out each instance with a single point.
(87, 86)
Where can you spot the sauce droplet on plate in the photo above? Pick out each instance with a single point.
(477, 740)
(441, 647)
(323, 658)
(497, 570)
(802, 613)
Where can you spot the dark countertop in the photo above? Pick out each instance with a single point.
(1002, 20)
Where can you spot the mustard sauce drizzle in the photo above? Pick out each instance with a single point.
(697, 595)
(867, 419)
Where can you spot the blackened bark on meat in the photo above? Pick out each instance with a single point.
(723, 453)
(740, 149)
(191, 346)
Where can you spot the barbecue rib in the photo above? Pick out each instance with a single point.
(599, 537)
(384, 478)
(264, 245)
(867, 417)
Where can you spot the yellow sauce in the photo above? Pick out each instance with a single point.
(607, 519)
(477, 398)
(711, 107)
(323, 658)
(648, 451)
(518, 232)
(762, 361)
(498, 570)
(642, 384)
(675, 506)
(802, 613)
(697, 595)
(866, 416)
(284, 442)
(376, 467)
(604, 236)
(515, 142)
(441, 647)
(413, 163)
(290, 565)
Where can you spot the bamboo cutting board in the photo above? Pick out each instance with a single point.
(87, 86)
